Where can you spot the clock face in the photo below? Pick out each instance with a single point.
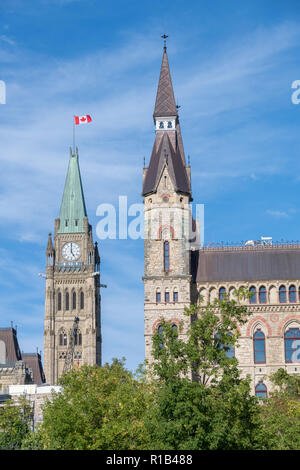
(71, 251)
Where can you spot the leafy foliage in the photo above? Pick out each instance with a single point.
(281, 413)
(100, 408)
(15, 420)
(216, 409)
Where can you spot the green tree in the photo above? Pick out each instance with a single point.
(15, 424)
(280, 413)
(99, 408)
(215, 410)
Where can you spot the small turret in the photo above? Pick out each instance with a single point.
(50, 251)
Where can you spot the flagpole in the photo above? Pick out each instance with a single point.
(73, 135)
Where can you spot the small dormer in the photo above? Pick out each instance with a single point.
(165, 123)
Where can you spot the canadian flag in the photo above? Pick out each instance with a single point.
(82, 119)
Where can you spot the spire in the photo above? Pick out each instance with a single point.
(72, 209)
(49, 248)
(168, 146)
(165, 101)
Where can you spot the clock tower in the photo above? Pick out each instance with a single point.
(72, 284)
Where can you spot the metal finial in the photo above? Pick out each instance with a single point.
(164, 37)
(144, 162)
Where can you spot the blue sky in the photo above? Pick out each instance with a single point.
(232, 65)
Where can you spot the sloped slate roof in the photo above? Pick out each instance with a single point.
(165, 101)
(246, 264)
(33, 361)
(166, 155)
(9, 337)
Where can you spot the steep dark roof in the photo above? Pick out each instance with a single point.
(9, 337)
(246, 263)
(166, 155)
(165, 102)
(34, 362)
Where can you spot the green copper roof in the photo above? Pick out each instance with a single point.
(72, 209)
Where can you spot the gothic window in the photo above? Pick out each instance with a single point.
(76, 222)
(63, 339)
(228, 348)
(74, 301)
(282, 294)
(81, 300)
(262, 295)
(252, 299)
(222, 293)
(158, 297)
(161, 334)
(78, 339)
(175, 329)
(292, 294)
(167, 297)
(166, 256)
(175, 296)
(169, 124)
(66, 222)
(292, 345)
(261, 390)
(59, 301)
(67, 301)
(259, 347)
(161, 125)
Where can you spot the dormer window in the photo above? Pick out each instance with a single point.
(169, 124)
(161, 125)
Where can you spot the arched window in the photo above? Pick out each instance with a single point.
(59, 301)
(175, 329)
(282, 294)
(259, 347)
(175, 296)
(166, 256)
(229, 347)
(292, 294)
(63, 339)
(261, 390)
(167, 296)
(230, 351)
(161, 334)
(222, 293)
(161, 125)
(292, 345)
(74, 301)
(81, 300)
(67, 301)
(253, 298)
(158, 297)
(78, 339)
(262, 295)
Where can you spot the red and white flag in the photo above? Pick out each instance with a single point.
(82, 119)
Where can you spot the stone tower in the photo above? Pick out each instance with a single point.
(72, 283)
(167, 196)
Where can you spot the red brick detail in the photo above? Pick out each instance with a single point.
(162, 227)
(156, 324)
(256, 319)
(284, 321)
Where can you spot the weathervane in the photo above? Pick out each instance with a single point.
(164, 37)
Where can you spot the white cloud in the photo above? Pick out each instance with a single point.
(277, 214)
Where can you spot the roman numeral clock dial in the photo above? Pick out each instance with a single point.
(71, 251)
